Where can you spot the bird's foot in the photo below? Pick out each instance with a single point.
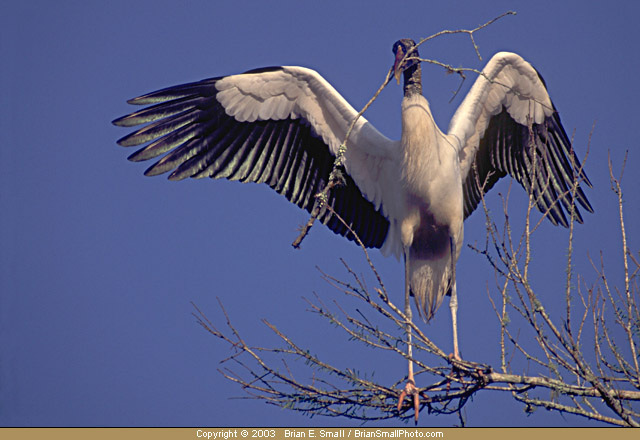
(461, 368)
(410, 390)
(468, 366)
(456, 362)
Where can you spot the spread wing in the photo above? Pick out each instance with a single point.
(506, 117)
(281, 126)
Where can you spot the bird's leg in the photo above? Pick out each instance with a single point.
(453, 303)
(410, 388)
(408, 313)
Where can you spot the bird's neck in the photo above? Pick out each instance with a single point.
(413, 80)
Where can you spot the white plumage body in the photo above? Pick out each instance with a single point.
(432, 210)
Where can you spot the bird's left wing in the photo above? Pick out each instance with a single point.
(506, 116)
(281, 126)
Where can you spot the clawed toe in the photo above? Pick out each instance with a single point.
(410, 389)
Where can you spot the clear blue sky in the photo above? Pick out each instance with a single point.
(98, 263)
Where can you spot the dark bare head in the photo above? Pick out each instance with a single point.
(407, 62)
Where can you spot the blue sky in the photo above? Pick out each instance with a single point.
(98, 264)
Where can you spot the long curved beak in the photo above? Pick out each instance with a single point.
(397, 65)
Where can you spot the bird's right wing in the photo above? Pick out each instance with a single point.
(281, 126)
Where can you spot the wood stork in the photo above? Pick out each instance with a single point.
(283, 126)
